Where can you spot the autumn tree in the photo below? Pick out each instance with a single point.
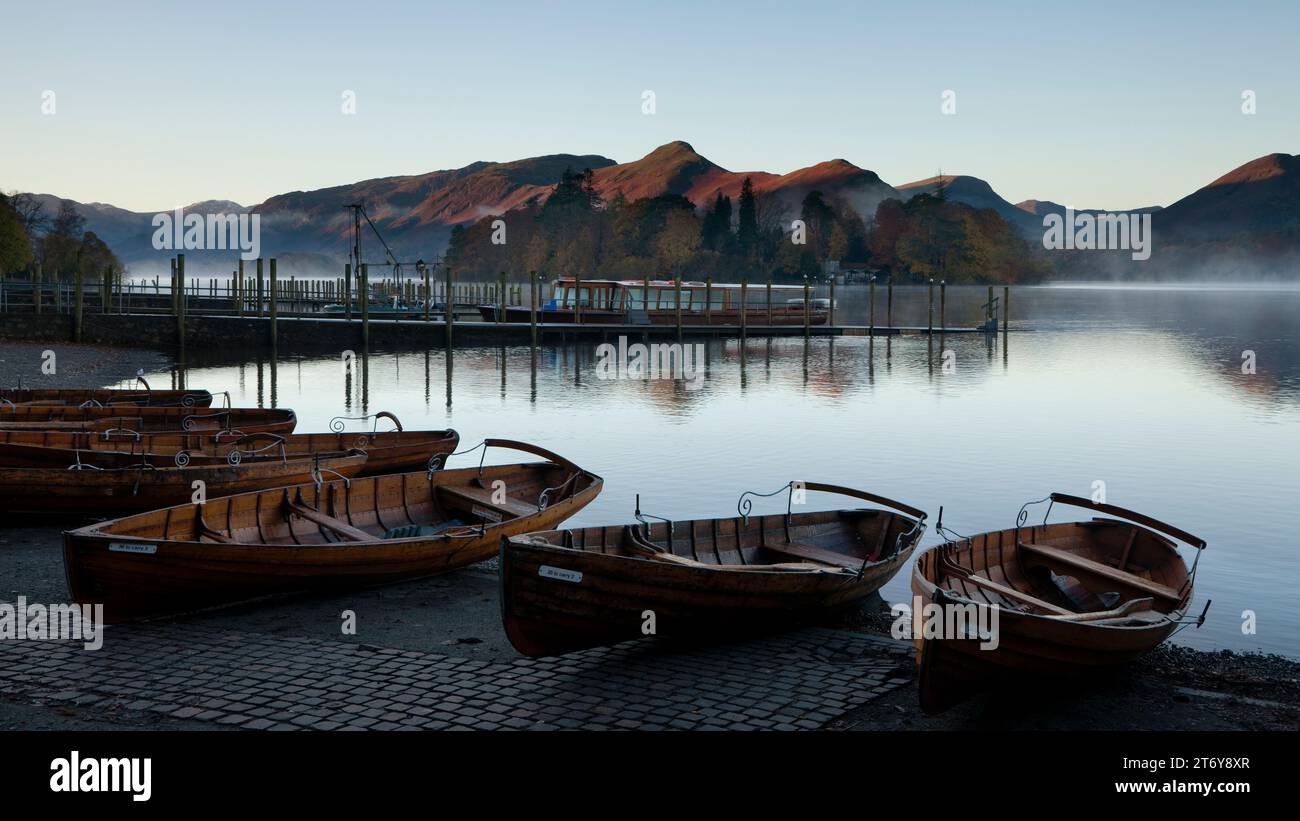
(15, 244)
(747, 232)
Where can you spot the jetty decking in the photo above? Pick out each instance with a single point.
(262, 311)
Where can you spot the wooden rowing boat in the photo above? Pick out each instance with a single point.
(330, 535)
(85, 488)
(391, 451)
(566, 590)
(147, 419)
(105, 397)
(1071, 598)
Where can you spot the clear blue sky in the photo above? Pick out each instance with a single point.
(1098, 104)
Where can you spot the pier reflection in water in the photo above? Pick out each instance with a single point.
(1141, 390)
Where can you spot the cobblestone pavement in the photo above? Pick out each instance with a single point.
(798, 680)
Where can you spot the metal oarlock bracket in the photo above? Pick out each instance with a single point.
(641, 517)
(1024, 510)
(948, 534)
(745, 504)
(339, 423)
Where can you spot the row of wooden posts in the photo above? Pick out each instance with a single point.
(244, 290)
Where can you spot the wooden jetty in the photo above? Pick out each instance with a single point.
(257, 312)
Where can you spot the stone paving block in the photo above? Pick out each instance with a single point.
(803, 679)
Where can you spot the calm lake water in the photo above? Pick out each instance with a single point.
(1138, 387)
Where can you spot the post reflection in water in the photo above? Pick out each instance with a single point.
(365, 380)
(349, 362)
(274, 380)
(532, 374)
(261, 384)
(447, 368)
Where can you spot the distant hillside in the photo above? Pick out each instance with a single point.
(676, 168)
(977, 193)
(1246, 222)
(1262, 196)
(1041, 208)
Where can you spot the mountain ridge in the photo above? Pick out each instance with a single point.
(417, 212)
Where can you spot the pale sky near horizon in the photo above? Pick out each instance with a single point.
(1099, 105)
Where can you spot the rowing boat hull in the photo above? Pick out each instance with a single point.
(1031, 646)
(136, 571)
(147, 419)
(556, 600)
(120, 490)
(106, 396)
(718, 578)
(386, 452)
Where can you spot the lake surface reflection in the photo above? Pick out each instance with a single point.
(1139, 388)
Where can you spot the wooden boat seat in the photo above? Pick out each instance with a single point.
(814, 553)
(328, 522)
(672, 558)
(1131, 581)
(655, 552)
(482, 497)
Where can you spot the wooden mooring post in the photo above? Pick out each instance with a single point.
(1006, 308)
(449, 316)
(807, 309)
(261, 291)
(930, 325)
(889, 301)
(871, 307)
(769, 300)
(744, 307)
(501, 299)
(363, 295)
(943, 306)
(532, 305)
(275, 298)
(180, 301)
(830, 315)
(677, 286)
(347, 291)
(77, 307)
(239, 290)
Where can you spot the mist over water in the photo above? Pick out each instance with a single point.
(1140, 387)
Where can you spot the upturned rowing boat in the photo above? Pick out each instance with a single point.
(565, 590)
(387, 451)
(146, 419)
(1070, 597)
(325, 535)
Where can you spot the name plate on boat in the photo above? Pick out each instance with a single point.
(559, 573)
(128, 547)
(484, 513)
